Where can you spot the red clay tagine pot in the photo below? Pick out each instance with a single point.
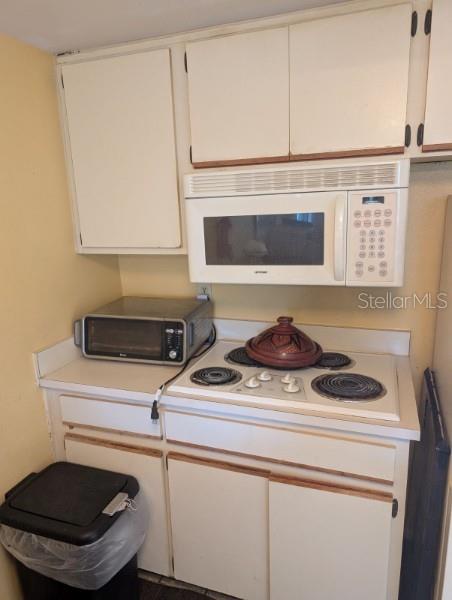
(284, 347)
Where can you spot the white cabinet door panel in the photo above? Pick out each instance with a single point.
(122, 146)
(147, 466)
(438, 114)
(239, 96)
(349, 82)
(327, 545)
(219, 520)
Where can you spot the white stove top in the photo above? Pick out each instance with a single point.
(270, 391)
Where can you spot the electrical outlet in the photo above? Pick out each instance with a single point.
(204, 289)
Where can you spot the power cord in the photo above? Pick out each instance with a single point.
(155, 405)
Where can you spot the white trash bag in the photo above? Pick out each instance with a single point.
(87, 567)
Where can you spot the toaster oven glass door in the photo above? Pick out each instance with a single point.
(124, 338)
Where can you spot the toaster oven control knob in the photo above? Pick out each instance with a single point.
(264, 376)
(292, 387)
(287, 378)
(172, 354)
(252, 383)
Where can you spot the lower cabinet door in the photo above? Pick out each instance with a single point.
(147, 466)
(219, 518)
(327, 542)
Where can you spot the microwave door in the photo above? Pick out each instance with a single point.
(274, 239)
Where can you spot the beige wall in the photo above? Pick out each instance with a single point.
(430, 185)
(44, 283)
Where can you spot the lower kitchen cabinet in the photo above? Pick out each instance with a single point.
(219, 520)
(328, 542)
(146, 465)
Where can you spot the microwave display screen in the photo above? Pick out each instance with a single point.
(373, 200)
(285, 239)
(131, 338)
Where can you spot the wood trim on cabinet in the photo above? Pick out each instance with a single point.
(284, 463)
(331, 487)
(436, 147)
(236, 162)
(146, 436)
(349, 153)
(114, 445)
(218, 464)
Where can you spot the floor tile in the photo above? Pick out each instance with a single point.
(149, 590)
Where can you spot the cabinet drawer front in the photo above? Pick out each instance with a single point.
(114, 416)
(322, 452)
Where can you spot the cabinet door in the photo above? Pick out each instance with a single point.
(120, 127)
(438, 114)
(219, 526)
(349, 83)
(328, 542)
(147, 466)
(239, 98)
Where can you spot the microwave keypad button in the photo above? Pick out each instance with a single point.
(381, 232)
(382, 273)
(381, 239)
(357, 214)
(388, 212)
(362, 247)
(371, 268)
(377, 223)
(372, 232)
(372, 240)
(383, 264)
(377, 213)
(372, 247)
(357, 223)
(367, 213)
(359, 273)
(371, 254)
(359, 264)
(367, 223)
(362, 255)
(381, 255)
(388, 222)
(381, 246)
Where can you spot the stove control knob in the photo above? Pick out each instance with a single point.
(287, 378)
(252, 383)
(292, 387)
(264, 376)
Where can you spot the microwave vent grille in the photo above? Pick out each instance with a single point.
(293, 179)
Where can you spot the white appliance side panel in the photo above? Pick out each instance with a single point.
(329, 203)
(239, 96)
(438, 116)
(349, 81)
(123, 150)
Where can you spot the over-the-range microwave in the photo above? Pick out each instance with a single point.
(339, 224)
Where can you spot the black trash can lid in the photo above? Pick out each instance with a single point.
(65, 502)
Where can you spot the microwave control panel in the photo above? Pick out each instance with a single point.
(173, 347)
(376, 238)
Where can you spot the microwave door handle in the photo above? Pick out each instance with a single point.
(339, 238)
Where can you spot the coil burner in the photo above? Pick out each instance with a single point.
(215, 376)
(348, 387)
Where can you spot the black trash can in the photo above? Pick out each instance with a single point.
(75, 532)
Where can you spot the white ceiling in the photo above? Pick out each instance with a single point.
(59, 25)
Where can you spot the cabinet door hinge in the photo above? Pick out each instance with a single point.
(81, 241)
(395, 508)
(191, 155)
(185, 62)
(172, 563)
(428, 22)
(414, 20)
(420, 134)
(407, 136)
(62, 81)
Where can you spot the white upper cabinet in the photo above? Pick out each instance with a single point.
(239, 98)
(121, 139)
(438, 114)
(349, 83)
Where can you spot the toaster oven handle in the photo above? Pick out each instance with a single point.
(78, 333)
(339, 237)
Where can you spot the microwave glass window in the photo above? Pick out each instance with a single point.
(286, 239)
(132, 338)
